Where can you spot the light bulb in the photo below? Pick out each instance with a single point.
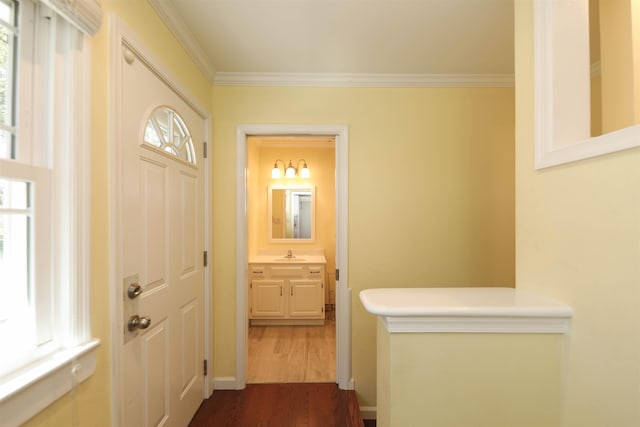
(290, 172)
(304, 172)
(275, 172)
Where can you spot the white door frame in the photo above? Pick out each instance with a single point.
(343, 292)
(120, 33)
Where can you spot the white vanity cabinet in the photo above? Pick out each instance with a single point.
(286, 294)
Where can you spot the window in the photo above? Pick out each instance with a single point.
(166, 131)
(44, 280)
(25, 226)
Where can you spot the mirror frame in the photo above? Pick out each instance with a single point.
(561, 88)
(312, 190)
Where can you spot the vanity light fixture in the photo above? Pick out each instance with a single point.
(290, 171)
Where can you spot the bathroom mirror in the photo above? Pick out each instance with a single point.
(291, 213)
(562, 131)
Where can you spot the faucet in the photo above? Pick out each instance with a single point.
(289, 254)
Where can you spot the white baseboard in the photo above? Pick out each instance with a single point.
(350, 385)
(368, 412)
(225, 383)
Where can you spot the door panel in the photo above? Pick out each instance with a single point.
(156, 374)
(154, 214)
(163, 241)
(188, 220)
(190, 361)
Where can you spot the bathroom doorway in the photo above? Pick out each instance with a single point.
(291, 213)
(342, 293)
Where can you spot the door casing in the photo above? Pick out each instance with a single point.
(344, 378)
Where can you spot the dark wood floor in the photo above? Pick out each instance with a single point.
(281, 405)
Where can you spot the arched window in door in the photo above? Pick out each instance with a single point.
(166, 131)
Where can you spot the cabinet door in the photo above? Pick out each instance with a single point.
(267, 298)
(306, 298)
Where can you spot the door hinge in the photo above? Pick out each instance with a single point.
(205, 367)
(204, 149)
(337, 274)
(204, 258)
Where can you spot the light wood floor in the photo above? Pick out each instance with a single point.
(292, 354)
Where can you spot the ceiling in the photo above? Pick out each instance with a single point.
(344, 37)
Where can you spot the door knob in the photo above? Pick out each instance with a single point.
(137, 322)
(134, 290)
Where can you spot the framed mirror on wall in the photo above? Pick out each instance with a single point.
(562, 73)
(291, 213)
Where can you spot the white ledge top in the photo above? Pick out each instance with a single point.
(466, 310)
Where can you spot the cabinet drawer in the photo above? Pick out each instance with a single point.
(314, 271)
(258, 271)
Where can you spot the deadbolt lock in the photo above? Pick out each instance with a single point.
(134, 290)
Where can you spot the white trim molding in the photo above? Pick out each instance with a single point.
(180, 29)
(170, 16)
(30, 391)
(561, 88)
(368, 412)
(343, 292)
(363, 80)
(225, 383)
(476, 324)
(472, 310)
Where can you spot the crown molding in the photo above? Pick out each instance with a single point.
(171, 17)
(363, 80)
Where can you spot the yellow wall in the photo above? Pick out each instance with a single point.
(321, 162)
(470, 379)
(93, 399)
(431, 193)
(577, 234)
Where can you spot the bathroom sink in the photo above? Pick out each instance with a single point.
(290, 259)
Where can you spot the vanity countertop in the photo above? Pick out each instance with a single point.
(297, 259)
(465, 310)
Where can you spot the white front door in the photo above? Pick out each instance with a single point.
(162, 249)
